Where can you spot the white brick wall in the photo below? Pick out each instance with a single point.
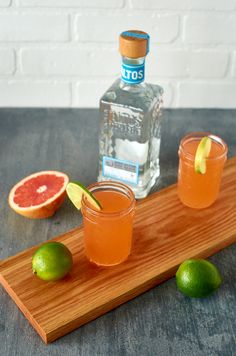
(108, 25)
(4, 3)
(64, 53)
(36, 93)
(74, 3)
(7, 62)
(210, 30)
(34, 26)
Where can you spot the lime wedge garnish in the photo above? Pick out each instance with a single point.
(203, 151)
(76, 191)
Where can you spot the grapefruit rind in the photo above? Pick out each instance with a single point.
(45, 209)
(76, 191)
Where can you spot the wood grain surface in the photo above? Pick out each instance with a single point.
(165, 234)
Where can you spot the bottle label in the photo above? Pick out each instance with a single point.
(119, 169)
(132, 74)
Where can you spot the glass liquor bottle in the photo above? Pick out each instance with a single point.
(130, 110)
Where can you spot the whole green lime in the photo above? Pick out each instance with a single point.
(197, 278)
(52, 261)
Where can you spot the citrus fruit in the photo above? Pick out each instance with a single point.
(203, 151)
(39, 195)
(76, 191)
(197, 278)
(52, 261)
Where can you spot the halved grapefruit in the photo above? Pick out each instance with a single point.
(39, 195)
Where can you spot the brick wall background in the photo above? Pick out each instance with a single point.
(64, 53)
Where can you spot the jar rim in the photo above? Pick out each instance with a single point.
(106, 185)
(198, 135)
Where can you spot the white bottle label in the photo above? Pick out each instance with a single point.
(119, 169)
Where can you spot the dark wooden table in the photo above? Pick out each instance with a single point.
(159, 322)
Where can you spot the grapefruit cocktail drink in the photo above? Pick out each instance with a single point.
(196, 188)
(108, 232)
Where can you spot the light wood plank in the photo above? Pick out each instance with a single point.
(165, 234)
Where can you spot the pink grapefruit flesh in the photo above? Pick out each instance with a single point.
(39, 195)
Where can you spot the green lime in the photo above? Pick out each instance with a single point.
(197, 278)
(203, 151)
(52, 261)
(76, 191)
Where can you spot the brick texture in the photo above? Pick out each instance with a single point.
(205, 94)
(34, 94)
(69, 62)
(234, 64)
(214, 29)
(188, 63)
(74, 3)
(65, 52)
(184, 4)
(108, 27)
(7, 61)
(33, 26)
(5, 3)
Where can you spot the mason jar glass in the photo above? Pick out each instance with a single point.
(108, 232)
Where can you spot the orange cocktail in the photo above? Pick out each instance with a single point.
(108, 232)
(198, 190)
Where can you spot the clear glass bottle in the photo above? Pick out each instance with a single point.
(129, 141)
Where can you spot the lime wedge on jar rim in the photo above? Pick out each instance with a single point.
(203, 151)
(76, 191)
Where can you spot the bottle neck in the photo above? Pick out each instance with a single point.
(133, 70)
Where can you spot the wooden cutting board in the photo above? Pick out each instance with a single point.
(165, 234)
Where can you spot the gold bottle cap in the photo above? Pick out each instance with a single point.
(134, 44)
